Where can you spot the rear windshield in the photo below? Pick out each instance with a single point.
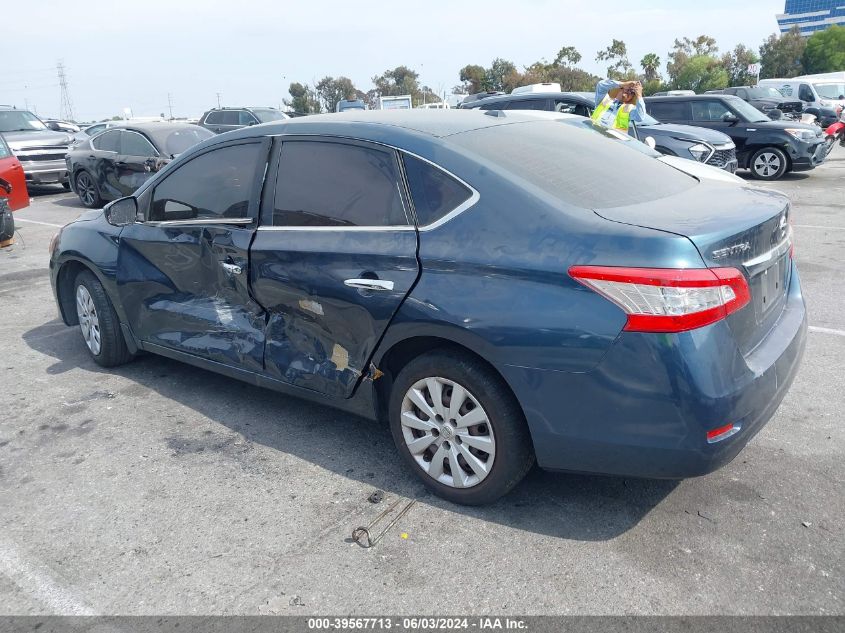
(577, 165)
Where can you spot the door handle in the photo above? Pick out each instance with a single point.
(231, 268)
(369, 284)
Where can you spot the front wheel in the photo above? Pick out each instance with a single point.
(459, 428)
(98, 322)
(768, 163)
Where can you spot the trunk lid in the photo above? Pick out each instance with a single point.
(732, 227)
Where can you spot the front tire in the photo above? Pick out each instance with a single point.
(86, 189)
(768, 163)
(98, 322)
(459, 428)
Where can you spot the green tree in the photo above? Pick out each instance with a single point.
(304, 99)
(399, 81)
(701, 73)
(694, 65)
(498, 73)
(825, 51)
(567, 56)
(651, 67)
(331, 91)
(474, 78)
(617, 57)
(736, 64)
(780, 55)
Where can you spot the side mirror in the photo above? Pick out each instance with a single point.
(53, 126)
(121, 212)
(730, 118)
(649, 140)
(775, 114)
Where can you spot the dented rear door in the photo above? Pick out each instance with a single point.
(333, 260)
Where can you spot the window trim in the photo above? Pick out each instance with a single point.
(273, 163)
(255, 196)
(266, 222)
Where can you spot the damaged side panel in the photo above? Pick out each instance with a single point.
(321, 330)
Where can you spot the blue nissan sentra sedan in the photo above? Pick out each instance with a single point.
(499, 288)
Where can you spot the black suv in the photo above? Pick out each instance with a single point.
(766, 99)
(226, 119)
(768, 148)
(693, 143)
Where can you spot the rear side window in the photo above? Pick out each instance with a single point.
(669, 110)
(214, 185)
(214, 117)
(107, 141)
(575, 165)
(528, 104)
(434, 192)
(337, 184)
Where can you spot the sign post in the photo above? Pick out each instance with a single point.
(754, 69)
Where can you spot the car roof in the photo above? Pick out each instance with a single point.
(535, 96)
(381, 123)
(694, 97)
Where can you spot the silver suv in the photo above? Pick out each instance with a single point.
(227, 119)
(40, 150)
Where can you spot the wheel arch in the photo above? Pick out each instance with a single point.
(399, 353)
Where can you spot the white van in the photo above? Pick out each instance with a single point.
(819, 91)
(544, 87)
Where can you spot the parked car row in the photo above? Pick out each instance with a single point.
(754, 128)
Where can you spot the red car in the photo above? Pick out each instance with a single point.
(12, 172)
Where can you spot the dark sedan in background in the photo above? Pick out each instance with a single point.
(694, 143)
(766, 100)
(769, 149)
(115, 162)
(490, 285)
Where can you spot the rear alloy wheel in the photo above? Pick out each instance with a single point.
(768, 163)
(458, 426)
(98, 322)
(87, 190)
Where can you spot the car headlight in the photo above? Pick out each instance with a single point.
(800, 134)
(700, 152)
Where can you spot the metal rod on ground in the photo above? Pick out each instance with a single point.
(359, 532)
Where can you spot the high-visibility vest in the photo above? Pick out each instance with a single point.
(623, 114)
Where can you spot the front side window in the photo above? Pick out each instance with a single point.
(245, 118)
(107, 141)
(5, 152)
(805, 94)
(134, 144)
(709, 111)
(434, 192)
(215, 185)
(337, 184)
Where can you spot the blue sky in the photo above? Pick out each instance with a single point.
(121, 55)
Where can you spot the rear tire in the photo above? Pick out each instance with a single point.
(98, 322)
(768, 163)
(478, 428)
(86, 189)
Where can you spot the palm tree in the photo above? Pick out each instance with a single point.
(651, 65)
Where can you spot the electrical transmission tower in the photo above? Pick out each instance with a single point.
(66, 109)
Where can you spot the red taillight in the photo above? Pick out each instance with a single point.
(722, 433)
(668, 299)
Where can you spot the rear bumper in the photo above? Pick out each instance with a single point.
(645, 409)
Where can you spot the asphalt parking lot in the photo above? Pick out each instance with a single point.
(158, 488)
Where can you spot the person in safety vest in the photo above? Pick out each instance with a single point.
(618, 103)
